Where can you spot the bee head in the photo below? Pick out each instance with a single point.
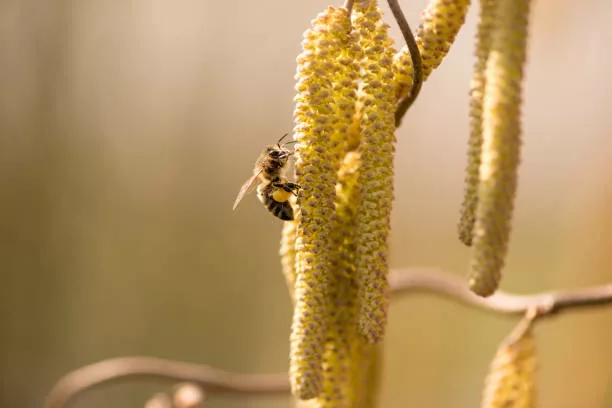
(279, 152)
(276, 157)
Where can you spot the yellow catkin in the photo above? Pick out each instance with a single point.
(363, 363)
(348, 362)
(376, 172)
(365, 372)
(353, 135)
(343, 291)
(316, 159)
(467, 217)
(441, 21)
(403, 73)
(342, 287)
(511, 379)
(501, 145)
(345, 82)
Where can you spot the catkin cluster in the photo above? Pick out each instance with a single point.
(335, 254)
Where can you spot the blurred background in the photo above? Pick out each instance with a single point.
(127, 128)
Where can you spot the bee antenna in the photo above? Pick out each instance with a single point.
(281, 139)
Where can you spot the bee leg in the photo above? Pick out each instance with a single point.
(292, 188)
(280, 184)
(288, 187)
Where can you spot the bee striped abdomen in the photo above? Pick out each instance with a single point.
(282, 210)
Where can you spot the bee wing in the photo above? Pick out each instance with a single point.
(246, 188)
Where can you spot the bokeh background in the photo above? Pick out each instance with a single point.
(127, 128)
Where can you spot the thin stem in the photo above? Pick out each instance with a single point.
(213, 380)
(455, 288)
(417, 64)
(348, 5)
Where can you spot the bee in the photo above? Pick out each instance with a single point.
(274, 191)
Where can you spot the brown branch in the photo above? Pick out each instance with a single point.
(212, 380)
(348, 5)
(401, 282)
(417, 63)
(455, 288)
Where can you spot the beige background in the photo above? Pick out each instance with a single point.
(126, 129)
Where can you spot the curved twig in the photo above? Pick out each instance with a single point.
(455, 288)
(212, 380)
(417, 63)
